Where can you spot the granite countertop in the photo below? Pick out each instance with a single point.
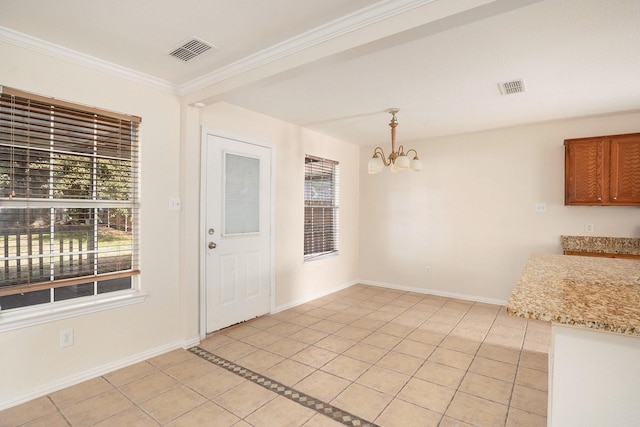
(598, 293)
(609, 245)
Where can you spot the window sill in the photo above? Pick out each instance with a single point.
(321, 257)
(30, 316)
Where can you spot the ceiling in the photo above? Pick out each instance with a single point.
(335, 66)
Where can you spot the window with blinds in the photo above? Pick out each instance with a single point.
(321, 183)
(68, 200)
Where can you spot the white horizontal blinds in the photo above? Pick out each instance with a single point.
(321, 200)
(68, 194)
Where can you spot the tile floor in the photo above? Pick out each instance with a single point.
(364, 355)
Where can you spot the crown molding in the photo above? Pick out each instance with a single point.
(60, 52)
(341, 26)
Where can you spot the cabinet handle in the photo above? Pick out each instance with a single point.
(599, 199)
(615, 198)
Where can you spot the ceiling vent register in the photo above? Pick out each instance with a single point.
(190, 49)
(514, 86)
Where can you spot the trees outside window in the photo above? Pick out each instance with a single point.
(69, 193)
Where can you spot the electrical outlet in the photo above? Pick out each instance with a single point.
(541, 207)
(66, 337)
(175, 204)
(427, 270)
(589, 228)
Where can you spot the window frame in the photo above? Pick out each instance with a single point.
(94, 145)
(321, 208)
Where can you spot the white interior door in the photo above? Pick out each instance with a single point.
(237, 231)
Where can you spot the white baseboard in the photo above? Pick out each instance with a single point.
(466, 297)
(314, 296)
(435, 292)
(77, 378)
(190, 343)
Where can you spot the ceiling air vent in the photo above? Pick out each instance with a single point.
(190, 49)
(514, 86)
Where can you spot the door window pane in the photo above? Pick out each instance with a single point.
(241, 194)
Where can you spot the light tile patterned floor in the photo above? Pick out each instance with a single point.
(362, 355)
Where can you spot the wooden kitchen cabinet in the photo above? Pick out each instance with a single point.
(603, 170)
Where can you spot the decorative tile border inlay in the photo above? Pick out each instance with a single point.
(323, 408)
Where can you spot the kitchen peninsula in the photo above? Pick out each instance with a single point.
(594, 306)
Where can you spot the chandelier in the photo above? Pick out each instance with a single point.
(398, 159)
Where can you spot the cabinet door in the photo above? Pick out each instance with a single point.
(625, 170)
(586, 173)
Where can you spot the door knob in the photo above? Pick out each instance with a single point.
(212, 245)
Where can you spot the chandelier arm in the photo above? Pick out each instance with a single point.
(380, 151)
(416, 156)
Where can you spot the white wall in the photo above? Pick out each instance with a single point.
(30, 358)
(470, 214)
(296, 281)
